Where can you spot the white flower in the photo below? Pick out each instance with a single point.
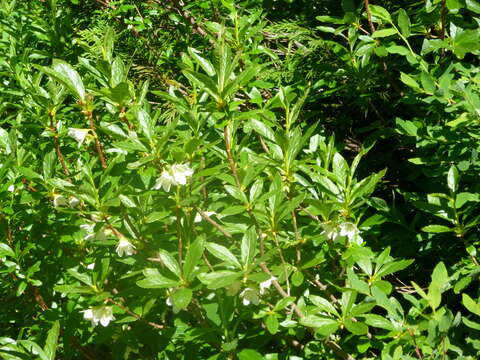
(99, 314)
(180, 173)
(176, 174)
(125, 247)
(351, 231)
(165, 180)
(11, 188)
(88, 228)
(330, 230)
(266, 284)
(78, 134)
(91, 266)
(59, 200)
(73, 201)
(199, 217)
(169, 301)
(100, 235)
(250, 295)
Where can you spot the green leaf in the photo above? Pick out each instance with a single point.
(66, 75)
(440, 276)
(340, 168)
(404, 23)
(262, 128)
(52, 341)
(155, 280)
(409, 81)
(437, 229)
(272, 324)
(355, 327)
(194, 254)
(406, 127)
(222, 253)
(323, 326)
(204, 63)
(49, 165)
(464, 197)
(71, 289)
(5, 250)
(146, 124)
(249, 354)
(86, 279)
(248, 246)
(181, 298)
(378, 322)
(392, 267)
(380, 13)
(170, 262)
(323, 304)
(236, 193)
(127, 201)
(473, 5)
(452, 179)
(219, 279)
(384, 33)
(470, 304)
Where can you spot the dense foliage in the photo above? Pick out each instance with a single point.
(220, 179)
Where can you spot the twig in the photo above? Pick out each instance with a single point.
(136, 316)
(177, 5)
(228, 145)
(369, 16)
(98, 145)
(443, 13)
(213, 222)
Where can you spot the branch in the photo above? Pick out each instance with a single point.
(369, 16)
(177, 6)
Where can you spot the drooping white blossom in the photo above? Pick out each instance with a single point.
(73, 201)
(250, 296)
(181, 172)
(199, 217)
(90, 234)
(99, 314)
(78, 134)
(176, 174)
(125, 247)
(165, 181)
(59, 200)
(331, 231)
(352, 233)
(266, 284)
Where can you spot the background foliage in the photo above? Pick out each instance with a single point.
(239, 180)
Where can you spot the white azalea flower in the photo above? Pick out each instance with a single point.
(176, 174)
(351, 231)
(78, 134)
(266, 284)
(199, 217)
(99, 314)
(180, 173)
(100, 235)
(331, 231)
(125, 247)
(165, 180)
(88, 228)
(59, 200)
(250, 295)
(73, 201)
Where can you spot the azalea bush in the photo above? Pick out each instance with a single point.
(206, 181)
